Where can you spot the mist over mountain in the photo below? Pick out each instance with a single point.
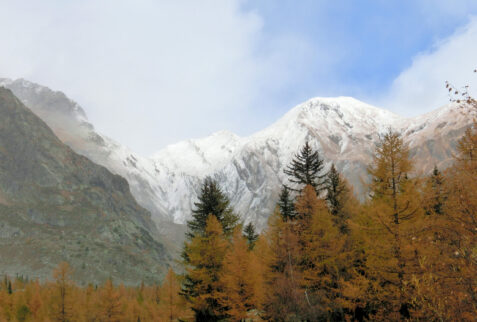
(57, 205)
(250, 169)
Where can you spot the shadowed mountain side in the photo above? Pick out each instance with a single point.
(56, 205)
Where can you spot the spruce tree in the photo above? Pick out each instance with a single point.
(306, 169)
(435, 193)
(212, 201)
(337, 193)
(285, 203)
(250, 235)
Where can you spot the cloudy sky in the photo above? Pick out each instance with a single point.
(150, 73)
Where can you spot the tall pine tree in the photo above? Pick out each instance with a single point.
(434, 193)
(285, 203)
(212, 201)
(250, 235)
(337, 194)
(306, 169)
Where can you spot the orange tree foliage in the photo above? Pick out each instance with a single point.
(62, 310)
(239, 280)
(409, 252)
(34, 301)
(392, 225)
(205, 259)
(449, 289)
(279, 251)
(310, 265)
(172, 306)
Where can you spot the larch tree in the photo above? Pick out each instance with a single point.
(457, 244)
(237, 279)
(307, 204)
(326, 263)
(35, 301)
(395, 223)
(201, 286)
(283, 299)
(63, 307)
(172, 306)
(306, 168)
(110, 303)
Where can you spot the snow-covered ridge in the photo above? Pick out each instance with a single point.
(250, 169)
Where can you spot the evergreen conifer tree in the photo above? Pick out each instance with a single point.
(435, 193)
(250, 235)
(285, 203)
(336, 197)
(211, 201)
(306, 169)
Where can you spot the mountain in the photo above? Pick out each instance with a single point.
(250, 169)
(57, 205)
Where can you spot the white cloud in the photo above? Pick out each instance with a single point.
(421, 87)
(148, 73)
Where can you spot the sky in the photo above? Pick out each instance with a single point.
(150, 73)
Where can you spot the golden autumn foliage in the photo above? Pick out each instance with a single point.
(202, 281)
(280, 252)
(34, 301)
(238, 279)
(449, 287)
(409, 252)
(393, 222)
(172, 306)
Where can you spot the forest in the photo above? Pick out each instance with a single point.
(408, 252)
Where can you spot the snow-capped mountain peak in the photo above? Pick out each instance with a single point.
(250, 169)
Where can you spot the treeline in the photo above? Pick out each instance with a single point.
(409, 252)
(62, 300)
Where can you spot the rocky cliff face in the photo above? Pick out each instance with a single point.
(250, 169)
(57, 205)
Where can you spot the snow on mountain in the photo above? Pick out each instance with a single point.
(250, 169)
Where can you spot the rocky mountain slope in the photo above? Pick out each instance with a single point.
(250, 169)
(57, 205)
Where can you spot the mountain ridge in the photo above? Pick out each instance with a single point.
(250, 169)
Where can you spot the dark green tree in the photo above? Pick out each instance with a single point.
(251, 235)
(306, 169)
(285, 203)
(436, 190)
(211, 201)
(336, 197)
